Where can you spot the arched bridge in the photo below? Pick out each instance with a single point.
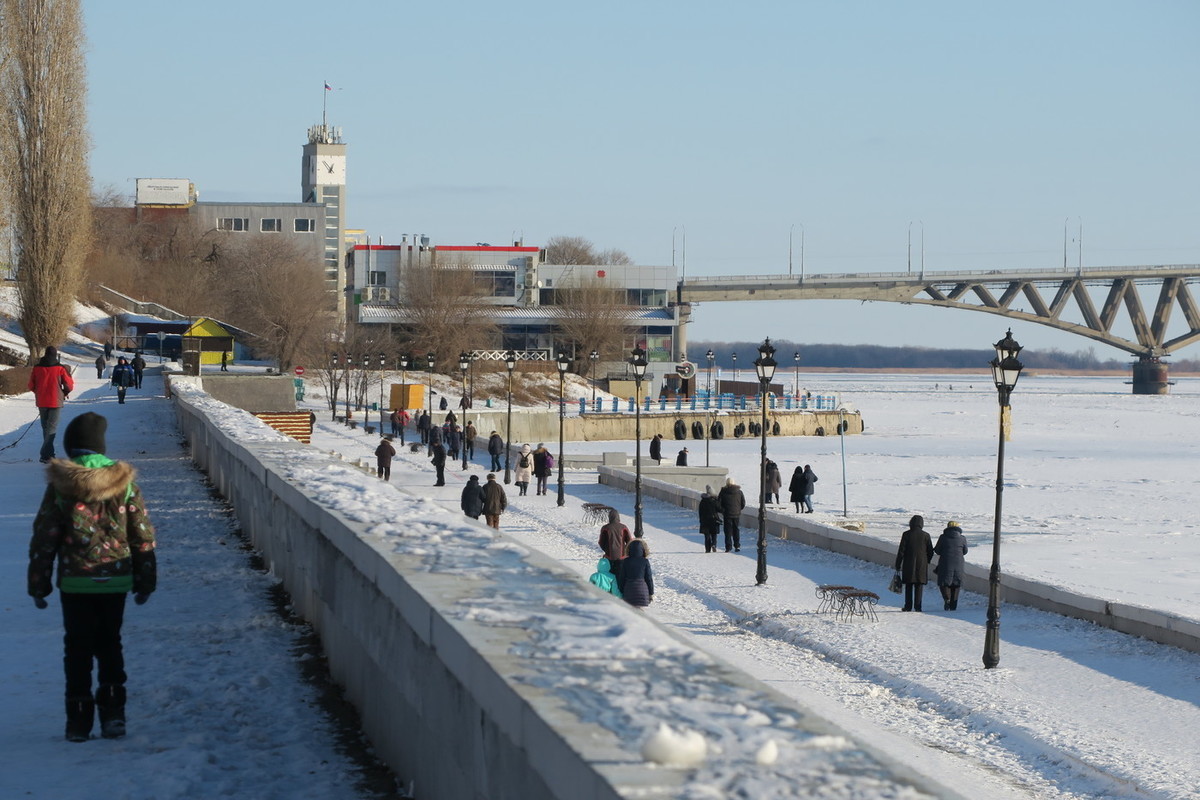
(1066, 300)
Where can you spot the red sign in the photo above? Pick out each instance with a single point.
(299, 371)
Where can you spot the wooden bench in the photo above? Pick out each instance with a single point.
(847, 602)
(595, 513)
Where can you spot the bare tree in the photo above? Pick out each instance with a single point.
(572, 250)
(592, 315)
(445, 315)
(43, 150)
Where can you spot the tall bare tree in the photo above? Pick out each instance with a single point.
(591, 315)
(43, 150)
(571, 250)
(445, 315)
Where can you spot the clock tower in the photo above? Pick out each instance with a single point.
(323, 180)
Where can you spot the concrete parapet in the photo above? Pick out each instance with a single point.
(1152, 624)
(475, 684)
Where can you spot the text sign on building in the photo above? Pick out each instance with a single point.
(164, 192)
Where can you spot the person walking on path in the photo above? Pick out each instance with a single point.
(656, 449)
(435, 437)
(810, 483)
(604, 578)
(543, 462)
(100, 365)
(139, 366)
(912, 562)
(614, 536)
(732, 501)
(494, 501)
(774, 483)
(438, 456)
(122, 378)
(681, 459)
(384, 454)
(951, 548)
(398, 418)
(709, 512)
(472, 498)
(635, 579)
(453, 440)
(224, 361)
(108, 350)
(797, 488)
(51, 384)
(423, 427)
(524, 468)
(468, 442)
(93, 523)
(495, 448)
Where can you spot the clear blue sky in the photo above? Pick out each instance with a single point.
(740, 123)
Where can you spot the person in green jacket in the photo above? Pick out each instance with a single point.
(604, 578)
(93, 523)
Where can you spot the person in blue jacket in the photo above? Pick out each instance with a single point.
(604, 578)
(122, 378)
(951, 549)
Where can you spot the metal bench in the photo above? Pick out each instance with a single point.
(858, 603)
(595, 513)
(828, 597)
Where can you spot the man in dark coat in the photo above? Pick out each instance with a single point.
(681, 459)
(453, 439)
(810, 483)
(50, 383)
(912, 562)
(384, 454)
(495, 449)
(494, 501)
(472, 498)
(656, 448)
(438, 456)
(423, 427)
(614, 536)
(709, 512)
(468, 439)
(139, 366)
(100, 365)
(951, 548)
(732, 501)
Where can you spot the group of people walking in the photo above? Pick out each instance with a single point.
(624, 569)
(915, 553)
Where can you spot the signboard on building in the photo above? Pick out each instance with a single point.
(165, 192)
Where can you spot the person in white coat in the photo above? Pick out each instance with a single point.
(524, 472)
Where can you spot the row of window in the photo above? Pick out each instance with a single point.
(266, 225)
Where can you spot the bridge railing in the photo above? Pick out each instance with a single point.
(1000, 274)
(725, 402)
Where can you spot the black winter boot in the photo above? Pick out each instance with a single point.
(110, 702)
(81, 712)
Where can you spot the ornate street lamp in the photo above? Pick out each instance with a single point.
(733, 356)
(711, 356)
(510, 361)
(796, 386)
(346, 374)
(430, 360)
(764, 365)
(464, 363)
(382, 365)
(405, 361)
(366, 365)
(334, 380)
(564, 363)
(638, 361)
(594, 357)
(1006, 369)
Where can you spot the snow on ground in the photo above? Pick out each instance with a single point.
(218, 706)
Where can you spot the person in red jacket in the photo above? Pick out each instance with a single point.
(50, 383)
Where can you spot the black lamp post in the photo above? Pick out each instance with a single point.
(796, 387)
(334, 380)
(1006, 369)
(711, 356)
(733, 356)
(464, 363)
(510, 361)
(639, 363)
(564, 364)
(430, 360)
(346, 373)
(366, 365)
(594, 357)
(382, 365)
(405, 360)
(764, 365)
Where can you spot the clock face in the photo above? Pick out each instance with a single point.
(327, 169)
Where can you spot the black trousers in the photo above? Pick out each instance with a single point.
(733, 534)
(912, 596)
(93, 633)
(710, 539)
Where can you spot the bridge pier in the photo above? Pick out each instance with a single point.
(1150, 376)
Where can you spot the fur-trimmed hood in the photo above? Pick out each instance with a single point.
(90, 484)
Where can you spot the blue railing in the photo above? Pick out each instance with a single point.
(724, 402)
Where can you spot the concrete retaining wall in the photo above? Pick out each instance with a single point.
(457, 675)
(1157, 626)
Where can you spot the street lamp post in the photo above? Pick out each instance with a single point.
(563, 364)
(639, 363)
(842, 436)
(594, 357)
(346, 373)
(796, 380)
(366, 365)
(711, 356)
(733, 356)
(464, 363)
(510, 361)
(1006, 369)
(430, 360)
(382, 365)
(764, 365)
(334, 380)
(405, 360)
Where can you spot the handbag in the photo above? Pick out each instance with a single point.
(895, 586)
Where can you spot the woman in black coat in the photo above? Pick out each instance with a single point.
(798, 488)
(634, 577)
(656, 448)
(709, 512)
(951, 548)
(472, 498)
(912, 562)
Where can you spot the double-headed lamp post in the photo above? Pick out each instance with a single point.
(464, 363)
(510, 361)
(405, 361)
(638, 361)
(764, 365)
(564, 363)
(594, 357)
(1006, 369)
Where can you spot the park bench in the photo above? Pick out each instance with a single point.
(595, 513)
(847, 602)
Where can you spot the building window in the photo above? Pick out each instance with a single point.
(376, 278)
(233, 224)
(496, 284)
(271, 225)
(306, 225)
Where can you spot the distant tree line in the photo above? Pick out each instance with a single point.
(866, 356)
